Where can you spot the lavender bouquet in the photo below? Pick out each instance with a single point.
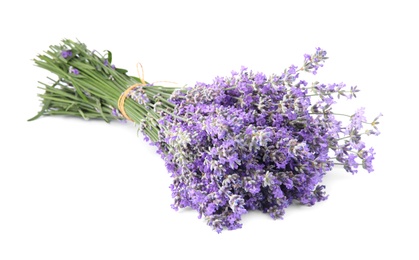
(244, 142)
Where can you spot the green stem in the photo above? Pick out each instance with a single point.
(95, 90)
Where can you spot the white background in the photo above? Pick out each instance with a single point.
(71, 189)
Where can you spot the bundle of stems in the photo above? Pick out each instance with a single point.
(89, 86)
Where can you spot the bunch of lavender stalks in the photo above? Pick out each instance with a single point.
(243, 142)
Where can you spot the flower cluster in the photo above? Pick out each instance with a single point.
(244, 142)
(253, 142)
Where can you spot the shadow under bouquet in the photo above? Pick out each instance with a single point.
(247, 141)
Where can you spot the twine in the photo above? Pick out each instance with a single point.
(123, 96)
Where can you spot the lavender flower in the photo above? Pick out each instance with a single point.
(367, 158)
(66, 54)
(74, 71)
(357, 119)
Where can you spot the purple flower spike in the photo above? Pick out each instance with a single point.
(75, 71)
(66, 54)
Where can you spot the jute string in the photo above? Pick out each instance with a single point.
(124, 95)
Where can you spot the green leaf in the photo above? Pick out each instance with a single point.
(40, 113)
(109, 56)
(99, 109)
(122, 71)
(82, 115)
